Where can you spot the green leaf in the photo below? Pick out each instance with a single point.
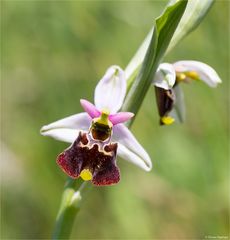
(193, 15)
(195, 11)
(165, 26)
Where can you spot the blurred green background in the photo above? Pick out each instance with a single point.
(53, 54)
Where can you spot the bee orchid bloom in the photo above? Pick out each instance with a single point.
(164, 81)
(98, 135)
(169, 96)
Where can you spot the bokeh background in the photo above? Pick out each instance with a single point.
(53, 53)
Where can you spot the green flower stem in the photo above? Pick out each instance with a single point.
(70, 206)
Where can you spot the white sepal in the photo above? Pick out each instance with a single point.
(131, 157)
(62, 134)
(67, 128)
(129, 148)
(165, 76)
(206, 73)
(111, 89)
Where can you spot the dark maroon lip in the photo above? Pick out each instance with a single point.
(165, 101)
(86, 153)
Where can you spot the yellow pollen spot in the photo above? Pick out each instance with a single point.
(192, 74)
(86, 175)
(180, 77)
(167, 120)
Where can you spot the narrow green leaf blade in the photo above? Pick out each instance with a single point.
(195, 11)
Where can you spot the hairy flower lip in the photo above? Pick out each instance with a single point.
(78, 157)
(165, 101)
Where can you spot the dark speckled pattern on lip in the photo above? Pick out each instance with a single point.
(85, 153)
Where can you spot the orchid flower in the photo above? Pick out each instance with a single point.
(98, 134)
(169, 96)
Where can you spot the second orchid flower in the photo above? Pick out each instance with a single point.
(169, 95)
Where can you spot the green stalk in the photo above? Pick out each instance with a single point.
(70, 206)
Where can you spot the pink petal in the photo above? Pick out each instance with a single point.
(120, 117)
(90, 108)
